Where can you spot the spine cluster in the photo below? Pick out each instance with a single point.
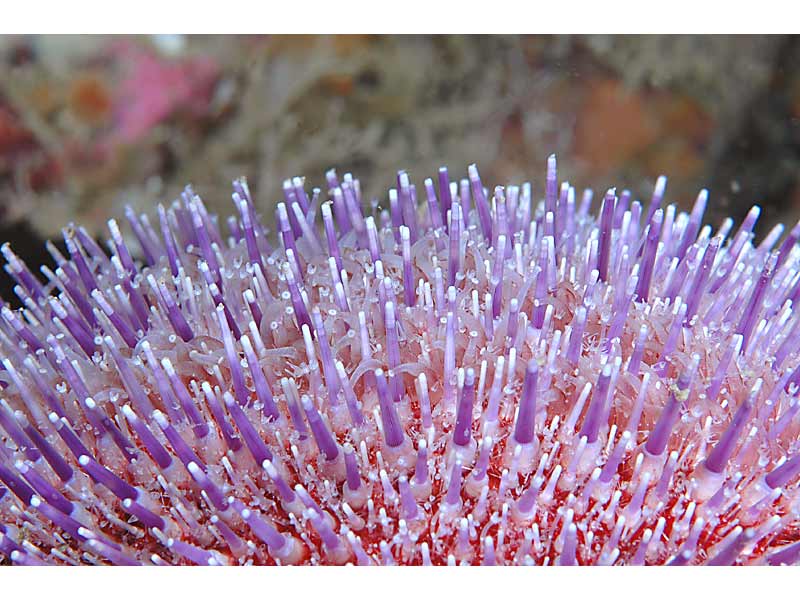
(450, 375)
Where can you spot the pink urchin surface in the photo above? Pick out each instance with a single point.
(449, 375)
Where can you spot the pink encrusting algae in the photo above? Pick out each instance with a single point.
(471, 378)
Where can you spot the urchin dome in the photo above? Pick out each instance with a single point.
(444, 375)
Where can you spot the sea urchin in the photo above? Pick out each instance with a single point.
(479, 378)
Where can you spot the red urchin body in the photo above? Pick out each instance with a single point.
(512, 383)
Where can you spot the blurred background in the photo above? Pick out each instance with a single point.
(89, 124)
